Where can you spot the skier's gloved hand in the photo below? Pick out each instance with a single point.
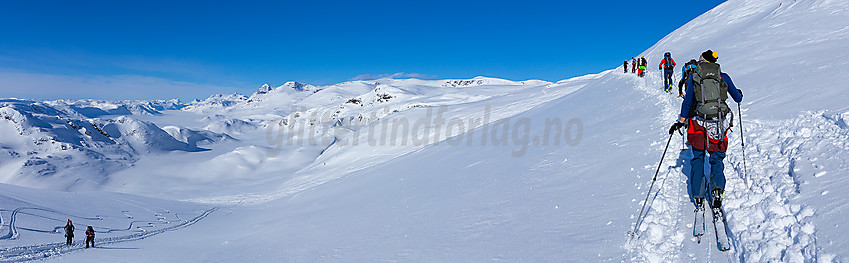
(676, 126)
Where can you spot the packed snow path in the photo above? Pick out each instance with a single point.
(765, 221)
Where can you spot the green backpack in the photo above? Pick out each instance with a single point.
(710, 91)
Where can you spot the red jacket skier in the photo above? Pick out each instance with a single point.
(668, 65)
(89, 236)
(69, 233)
(671, 62)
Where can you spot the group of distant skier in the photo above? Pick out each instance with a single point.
(667, 64)
(69, 234)
(704, 115)
(638, 66)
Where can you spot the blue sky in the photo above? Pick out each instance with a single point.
(187, 49)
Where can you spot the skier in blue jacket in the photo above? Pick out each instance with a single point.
(701, 136)
(689, 97)
(686, 71)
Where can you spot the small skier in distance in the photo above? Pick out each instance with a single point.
(625, 66)
(633, 65)
(89, 236)
(641, 71)
(69, 233)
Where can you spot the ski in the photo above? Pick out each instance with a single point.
(722, 241)
(699, 224)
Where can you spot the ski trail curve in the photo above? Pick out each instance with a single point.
(12, 232)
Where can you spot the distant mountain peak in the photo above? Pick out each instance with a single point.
(264, 89)
(297, 86)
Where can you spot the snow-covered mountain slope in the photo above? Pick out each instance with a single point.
(75, 145)
(329, 132)
(505, 189)
(786, 55)
(98, 108)
(115, 135)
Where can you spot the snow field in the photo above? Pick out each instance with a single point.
(32, 221)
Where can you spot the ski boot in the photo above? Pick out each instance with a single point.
(700, 205)
(699, 223)
(716, 196)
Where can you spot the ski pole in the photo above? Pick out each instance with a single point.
(650, 187)
(743, 145)
(684, 138)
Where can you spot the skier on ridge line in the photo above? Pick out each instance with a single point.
(641, 64)
(668, 65)
(633, 65)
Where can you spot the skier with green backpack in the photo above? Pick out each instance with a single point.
(641, 67)
(707, 120)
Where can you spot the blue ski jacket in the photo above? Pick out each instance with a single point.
(684, 70)
(688, 97)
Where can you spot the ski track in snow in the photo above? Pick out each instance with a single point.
(34, 252)
(137, 229)
(765, 224)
